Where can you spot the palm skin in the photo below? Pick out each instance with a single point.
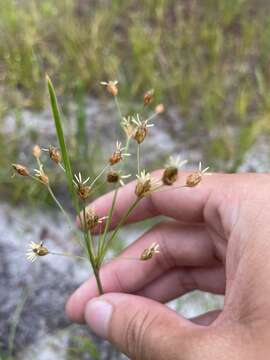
(217, 240)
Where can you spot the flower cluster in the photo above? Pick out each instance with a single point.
(95, 228)
(35, 250)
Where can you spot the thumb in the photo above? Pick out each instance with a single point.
(141, 328)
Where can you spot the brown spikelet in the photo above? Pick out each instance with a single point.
(83, 191)
(55, 154)
(21, 170)
(36, 151)
(140, 133)
(193, 179)
(170, 175)
(115, 158)
(148, 97)
(113, 177)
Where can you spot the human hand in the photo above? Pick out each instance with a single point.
(218, 241)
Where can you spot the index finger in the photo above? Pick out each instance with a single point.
(183, 204)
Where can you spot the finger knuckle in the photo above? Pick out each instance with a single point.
(138, 335)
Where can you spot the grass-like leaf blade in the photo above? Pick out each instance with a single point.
(61, 140)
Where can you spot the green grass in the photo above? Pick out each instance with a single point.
(209, 59)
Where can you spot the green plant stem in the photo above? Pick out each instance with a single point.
(99, 284)
(62, 144)
(138, 159)
(61, 167)
(90, 250)
(118, 107)
(121, 222)
(99, 175)
(70, 222)
(151, 117)
(88, 238)
(39, 163)
(67, 255)
(108, 222)
(60, 206)
(127, 144)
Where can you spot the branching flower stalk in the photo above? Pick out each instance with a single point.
(102, 240)
(121, 222)
(98, 233)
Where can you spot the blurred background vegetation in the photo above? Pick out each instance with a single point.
(207, 59)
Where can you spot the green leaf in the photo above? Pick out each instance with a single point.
(61, 140)
(84, 345)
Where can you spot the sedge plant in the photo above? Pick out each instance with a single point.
(94, 235)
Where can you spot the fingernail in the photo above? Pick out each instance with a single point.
(97, 315)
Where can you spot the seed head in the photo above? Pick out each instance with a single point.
(146, 184)
(171, 170)
(83, 190)
(20, 169)
(54, 154)
(115, 177)
(36, 151)
(36, 249)
(92, 219)
(159, 109)
(141, 129)
(148, 97)
(196, 177)
(118, 154)
(169, 175)
(149, 252)
(127, 126)
(111, 87)
(140, 134)
(40, 174)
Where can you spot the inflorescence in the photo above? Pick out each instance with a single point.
(135, 130)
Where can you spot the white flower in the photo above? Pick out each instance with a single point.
(175, 162)
(79, 180)
(118, 154)
(128, 126)
(195, 178)
(115, 177)
(146, 184)
(92, 219)
(122, 178)
(35, 250)
(119, 149)
(140, 123)
(204, 171)
(141, 128)
(40, 174)
(107, 83)
(111, 86)
(149, 252)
